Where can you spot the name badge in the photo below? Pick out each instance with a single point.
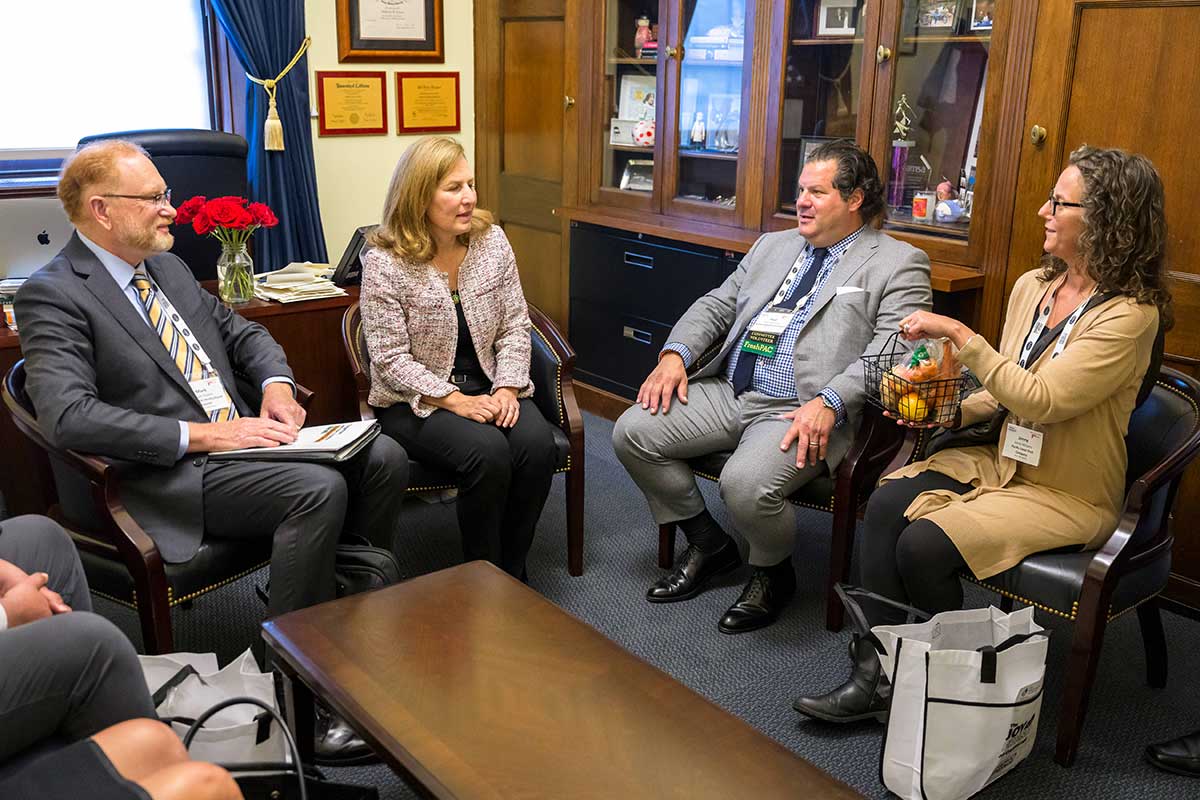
(1023, 444)
(774, 320)
(210, 393)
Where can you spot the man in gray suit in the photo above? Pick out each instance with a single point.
(160, 399)
(769, 365)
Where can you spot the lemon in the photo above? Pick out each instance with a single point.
(913, 407)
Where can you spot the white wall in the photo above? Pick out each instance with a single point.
(353, 171)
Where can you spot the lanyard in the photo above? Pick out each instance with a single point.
(1039, 325)
(184, 330)
(781, 295)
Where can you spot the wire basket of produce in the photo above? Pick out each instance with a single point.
(924, 384)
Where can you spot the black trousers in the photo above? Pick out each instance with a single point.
(306, 507)
(914, 563)
(68, 676)
(503, 475)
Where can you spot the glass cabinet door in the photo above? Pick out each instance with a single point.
(631, 90)
(821, 84)
(941, 63)
(709, 122)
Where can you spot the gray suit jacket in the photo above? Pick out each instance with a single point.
(102, 382)
(877, 283)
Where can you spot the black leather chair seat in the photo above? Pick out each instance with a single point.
(230, 559)
(424, 478)
(817, 493)
(1056, 581)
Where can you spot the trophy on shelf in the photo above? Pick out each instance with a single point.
(900, 147)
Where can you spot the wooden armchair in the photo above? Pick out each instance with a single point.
(122, 562)
(551, 366)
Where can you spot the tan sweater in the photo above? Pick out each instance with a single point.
(1082, 400)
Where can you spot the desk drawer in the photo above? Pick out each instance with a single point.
(615, 351)
(652, 278)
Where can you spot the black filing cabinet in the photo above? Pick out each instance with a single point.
(627, 291)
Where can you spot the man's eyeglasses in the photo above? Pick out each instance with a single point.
(1056, 204)
(163, 198)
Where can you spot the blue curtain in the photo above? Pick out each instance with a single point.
(265, 34)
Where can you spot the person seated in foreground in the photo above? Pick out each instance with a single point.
(1097, 303)
(785, 388)
(447, 330)
(70, 683)
(128, 357)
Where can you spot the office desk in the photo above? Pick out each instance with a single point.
(309, 332)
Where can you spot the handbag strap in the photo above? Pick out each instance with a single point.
(858, 618)
(987, 669)
(185, 672)
(271, 714)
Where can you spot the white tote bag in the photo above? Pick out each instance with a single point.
(188, 684)
(966, 697)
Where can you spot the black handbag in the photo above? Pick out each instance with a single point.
(359, 567)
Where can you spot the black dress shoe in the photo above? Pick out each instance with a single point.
(693, 573)
(769, 590)
(336, 744)
(866, 695)
(1181, 756)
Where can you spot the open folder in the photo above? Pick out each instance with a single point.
(328, 443)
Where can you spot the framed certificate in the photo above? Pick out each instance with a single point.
(390, 30)
(427, 102)
(351, 103)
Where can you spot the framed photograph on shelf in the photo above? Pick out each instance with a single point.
(982, 14)
(936, 14)
(807, 145)
(837, 18)
(637, 97)
(638, 175)
(390, 30)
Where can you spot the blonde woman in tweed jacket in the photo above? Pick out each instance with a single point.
(447, 330)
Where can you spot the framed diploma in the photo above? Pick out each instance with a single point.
(427, 102)
(390, 30)
(351, 103)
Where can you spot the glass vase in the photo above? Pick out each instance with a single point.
(235, 274)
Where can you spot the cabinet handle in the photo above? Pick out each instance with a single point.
(1037, 135)
(641, 337)
(675, 52)
(638, 260)
(568, 102)
(882, 54)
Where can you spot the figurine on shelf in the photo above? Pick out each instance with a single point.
(718, 119)
(644, 34)
(945, 191)
(900, 147)
(698, 134)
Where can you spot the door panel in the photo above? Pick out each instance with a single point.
(522, 77)
(1138, 96)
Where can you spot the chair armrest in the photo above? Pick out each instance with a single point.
(874, 449)
(304, 396)
(552, 368)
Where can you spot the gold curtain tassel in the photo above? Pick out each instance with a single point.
(273, 125)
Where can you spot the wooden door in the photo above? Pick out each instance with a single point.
(524, 75)
(1116, 73)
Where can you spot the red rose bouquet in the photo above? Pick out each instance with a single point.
(231, 221)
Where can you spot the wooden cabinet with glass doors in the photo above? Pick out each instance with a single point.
(698, 114)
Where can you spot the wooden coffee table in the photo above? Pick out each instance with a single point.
(475, 686)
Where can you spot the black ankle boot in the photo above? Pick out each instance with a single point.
(866, 695)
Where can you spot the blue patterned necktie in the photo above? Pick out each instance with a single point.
(743, 372)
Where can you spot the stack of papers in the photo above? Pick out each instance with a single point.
(329, 443)
(295, 282)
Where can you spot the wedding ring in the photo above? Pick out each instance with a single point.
(814, 446)
(904, 327)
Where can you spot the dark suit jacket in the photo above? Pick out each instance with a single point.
(102, 382)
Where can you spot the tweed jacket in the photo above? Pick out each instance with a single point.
(411, 327)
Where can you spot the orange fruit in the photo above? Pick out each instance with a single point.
(913, 407)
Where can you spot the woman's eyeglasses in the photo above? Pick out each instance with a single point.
(1056, 204)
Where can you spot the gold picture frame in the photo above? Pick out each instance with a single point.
(391, 30)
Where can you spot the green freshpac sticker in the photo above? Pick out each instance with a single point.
(762, 344)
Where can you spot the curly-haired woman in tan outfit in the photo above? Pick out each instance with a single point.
(447, 330)
(1095, 307)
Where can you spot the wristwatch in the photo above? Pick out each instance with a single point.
(825, 401)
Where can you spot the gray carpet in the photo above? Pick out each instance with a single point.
(755, 676)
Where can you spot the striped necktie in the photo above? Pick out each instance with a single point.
(187, 361)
